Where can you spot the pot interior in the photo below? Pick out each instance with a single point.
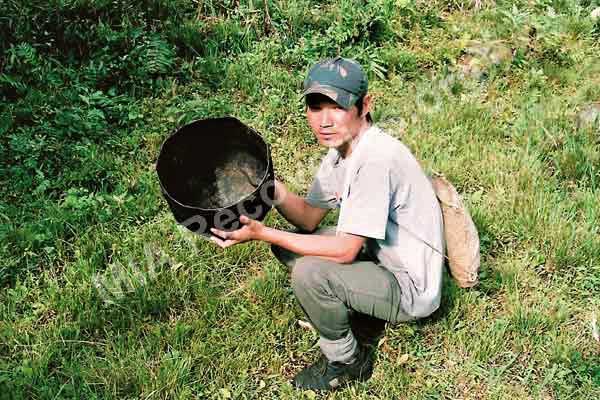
(212, 164)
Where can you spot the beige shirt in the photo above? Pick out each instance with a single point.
(384, 195)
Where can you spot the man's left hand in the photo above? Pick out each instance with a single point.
(250, 230)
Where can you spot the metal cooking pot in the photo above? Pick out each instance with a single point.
(212, 171)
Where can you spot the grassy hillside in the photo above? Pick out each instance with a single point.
(102, 295)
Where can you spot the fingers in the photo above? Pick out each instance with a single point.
(220, 233)
(224, 239)
(223, 243)
(232, 234)
(242, 234)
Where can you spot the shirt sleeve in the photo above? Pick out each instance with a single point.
(322, 193)
(365, 211)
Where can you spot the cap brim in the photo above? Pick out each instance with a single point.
(342, 97)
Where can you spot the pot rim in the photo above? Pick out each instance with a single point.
(258, 188)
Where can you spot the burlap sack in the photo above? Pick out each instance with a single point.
(462, 239)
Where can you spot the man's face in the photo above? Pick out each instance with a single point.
(332, 125)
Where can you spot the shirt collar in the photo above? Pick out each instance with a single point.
(364, 138)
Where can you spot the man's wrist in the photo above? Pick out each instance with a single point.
(262, 234)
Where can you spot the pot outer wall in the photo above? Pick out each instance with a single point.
(255, 206)
(199, 220)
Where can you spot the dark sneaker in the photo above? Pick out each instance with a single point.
(326, 375)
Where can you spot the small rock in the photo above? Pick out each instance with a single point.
(403, 359)
(306, 325)
(595, 14)
(588, 116)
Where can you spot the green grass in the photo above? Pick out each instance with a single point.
(104, 296)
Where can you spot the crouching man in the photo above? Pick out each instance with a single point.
(383, 261)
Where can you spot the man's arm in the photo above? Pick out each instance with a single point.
(296, 210)
(342, 248)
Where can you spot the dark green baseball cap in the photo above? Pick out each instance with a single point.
(341, 79)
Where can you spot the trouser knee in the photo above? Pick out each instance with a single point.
(307, 275)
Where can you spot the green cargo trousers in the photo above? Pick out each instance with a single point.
(347, 304)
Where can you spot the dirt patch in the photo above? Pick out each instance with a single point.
(234, 178)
